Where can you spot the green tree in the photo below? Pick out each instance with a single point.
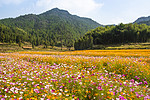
(70, 44)
(37, 41)
(2, 37)
(52, 43)
(19, 43)
(46, 43)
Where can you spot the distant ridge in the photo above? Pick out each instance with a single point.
(143, 20)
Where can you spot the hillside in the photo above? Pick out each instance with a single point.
(143, 20)
(52, 23)
(120, 34)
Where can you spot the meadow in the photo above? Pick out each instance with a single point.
(75, 75)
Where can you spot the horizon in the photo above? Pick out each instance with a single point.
(105, 12)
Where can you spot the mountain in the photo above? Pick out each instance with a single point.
(53, 22)
(143, 20)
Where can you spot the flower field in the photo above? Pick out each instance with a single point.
(122, 53)
(76, 75)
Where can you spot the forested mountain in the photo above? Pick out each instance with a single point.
(12, 34)
(58, 27)
(51, 26)
(119, 34)
(143, 20)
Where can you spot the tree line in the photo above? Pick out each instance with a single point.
(119, 34)
(36, 38)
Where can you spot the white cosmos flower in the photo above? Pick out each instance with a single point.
(16, 91)
(5, 96)
(60, 93)
(21, 92)
(60, 89)
(80, 83)
(67, 95)
(124, 82)
(42, 98)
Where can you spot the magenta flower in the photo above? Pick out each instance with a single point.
(131, 90)
(61, 87)
(120, 83)
(140, 83)
(132, 80)
(122, 98)
(100, 88)
(53, 91)
(123, 75)
(145, 82)
(36, 90)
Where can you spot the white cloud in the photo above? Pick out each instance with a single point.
(79, 7)
(10, 2)
(117, 20)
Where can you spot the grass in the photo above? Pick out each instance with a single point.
(123, 46)
(131, 46)
(5, 47)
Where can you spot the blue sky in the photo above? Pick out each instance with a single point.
(103, 11)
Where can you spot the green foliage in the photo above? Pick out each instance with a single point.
(52, 26)
(69, 44)
(52, 43)
(120, 34)
(12, 34)
(19, 43)
(46, 43)
(85, 42)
